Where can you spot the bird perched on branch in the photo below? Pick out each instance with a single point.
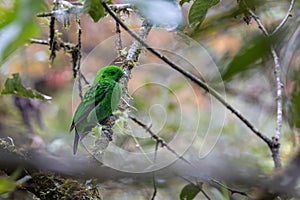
(98, 103)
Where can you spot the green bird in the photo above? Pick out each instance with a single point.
(98, 103)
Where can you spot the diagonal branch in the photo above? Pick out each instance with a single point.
(191, 76)
(158, 139)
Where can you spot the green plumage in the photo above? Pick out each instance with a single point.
(98, 103)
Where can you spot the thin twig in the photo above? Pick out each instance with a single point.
(154, 177)
(115, 7)
(205, 194)
(76, 67)
(192, 77)
(52, 40)
(39, 41)
(275, 145)
(84, 79)
(197, 184)
(158, 139)
(120, 7)
(257, 20)
(232, 191)
(118, 41)
(284, 20)
(45, 14)
(65, 46)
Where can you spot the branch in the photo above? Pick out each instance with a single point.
(68, 47)
(158, 139)
(154, 177)
(232, 191)
(38, 41)
(118, 41)
(120, 7)
(83, 168)
(275, 145)
(79, 8)
(284, 20)
(192, 77)
(131, 58)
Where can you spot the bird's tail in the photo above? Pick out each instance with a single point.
(76, 141)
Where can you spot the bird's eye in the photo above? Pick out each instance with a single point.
(112, 73)
(103, 76)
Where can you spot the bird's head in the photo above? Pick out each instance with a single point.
(109, 72)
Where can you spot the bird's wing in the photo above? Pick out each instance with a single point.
(92, 97)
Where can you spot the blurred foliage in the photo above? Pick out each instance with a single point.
(17, 24)
(94, 8)
(14, 86)
(253, 49)
(198, 11)
(9, 184)
(189, 191)
(6, 186)
(293, 113)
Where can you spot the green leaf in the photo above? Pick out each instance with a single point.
(94, 8)
(189, 191)
(181, 2)
(249, 53)
(198, 11)
(17, 24)
(6, 186)
(14, 86)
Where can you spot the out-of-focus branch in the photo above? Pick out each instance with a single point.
(192, 77)
(215, 167)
